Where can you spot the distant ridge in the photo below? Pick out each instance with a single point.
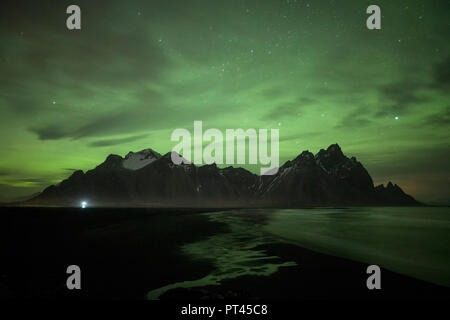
(147, 178)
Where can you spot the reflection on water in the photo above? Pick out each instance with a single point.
(233, 253)
(410, 241)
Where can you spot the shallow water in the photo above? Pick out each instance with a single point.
(234, 253)
(410, 241)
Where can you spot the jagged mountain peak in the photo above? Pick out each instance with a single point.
(306, 155)
(333, 152)
(334, 148)
(113, 157)
(303, 158)
(393, 194)
(76, 174)
(138, 160)
(145, 153)
(112, 161)
(391, 187)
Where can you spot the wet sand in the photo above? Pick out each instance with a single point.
(316, 276)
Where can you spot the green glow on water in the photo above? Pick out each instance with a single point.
(233, 254)
(410, 241)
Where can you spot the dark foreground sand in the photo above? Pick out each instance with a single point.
(125, 253)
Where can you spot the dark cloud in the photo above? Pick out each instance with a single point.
(10, 193)
(274, 92)
(356, 119)
(303, 101)
(17, 176)
(50, 132)
(104, 123)
(40, 57)
(300, 136)
(398, 97)
(402, 162)
(353, 122)
(441, 74)
(95, 54)
(439, 119)
(288, 109)
(111, 142)
(33, 180)
(5, 172)
(282, 111)
(18, 103)
(402, 94)
(133, 118)
(129, 120)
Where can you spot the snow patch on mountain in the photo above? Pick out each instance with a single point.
(138, 160)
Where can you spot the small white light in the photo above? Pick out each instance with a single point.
(83, 204)
(396, 118)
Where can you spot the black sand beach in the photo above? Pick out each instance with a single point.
(126, 253)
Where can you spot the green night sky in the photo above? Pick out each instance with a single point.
(139, 69)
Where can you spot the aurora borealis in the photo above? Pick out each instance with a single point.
(139, 69)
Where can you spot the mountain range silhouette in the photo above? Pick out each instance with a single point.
(147, 178)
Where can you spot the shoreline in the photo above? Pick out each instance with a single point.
(317, 276)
